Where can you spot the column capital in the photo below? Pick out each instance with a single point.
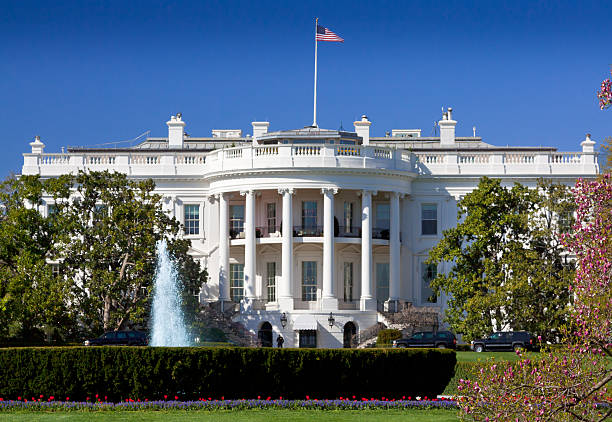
(283, 191)
(326, 191)
(369, 192)
(247, 191)
(399, 195)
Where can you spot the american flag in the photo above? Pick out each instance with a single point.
(324, 34)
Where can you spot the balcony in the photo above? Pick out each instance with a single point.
(267, 231)
(497, 161)
(307, 231)
(345, 231)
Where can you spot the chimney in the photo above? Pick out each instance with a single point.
(259, 129)
(447, 129)
(176, 131)
(362, 127)
(587, 145)
(37, 146)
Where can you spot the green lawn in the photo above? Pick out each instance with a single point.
(434, 415)
(483, 356)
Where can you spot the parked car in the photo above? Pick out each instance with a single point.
(508, 340)
(439, 339)
(119, 338)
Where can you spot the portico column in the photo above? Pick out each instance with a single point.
(394, 254)
(285, 298)
(328, 302)
(224, 288)
(249, 245)
(367, 301)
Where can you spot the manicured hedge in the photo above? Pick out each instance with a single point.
(190, 373)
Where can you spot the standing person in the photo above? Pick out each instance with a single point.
(279, 341)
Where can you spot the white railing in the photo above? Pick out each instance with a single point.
(190, 159)
(348, 151)
(54, 159)
(306, 150)
(430, 158)
(152, 163)
(265, 151)
(100, 159)
(382, 153)
(566, 158)
(473, 158)
(147, 160)
(233, 153)
(519, 158)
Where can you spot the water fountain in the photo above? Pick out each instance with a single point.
(168, 324)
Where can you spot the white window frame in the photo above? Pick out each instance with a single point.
(199, 220)
(437, 220)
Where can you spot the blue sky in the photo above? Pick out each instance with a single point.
(85, 73)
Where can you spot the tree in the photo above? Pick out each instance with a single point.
(111, 227)
(32, 296)
(569, 383)
(605, 93)
(507, 267)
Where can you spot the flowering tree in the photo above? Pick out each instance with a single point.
(605, 94)
(570, 383)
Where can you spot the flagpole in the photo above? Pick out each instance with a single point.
(314, 114)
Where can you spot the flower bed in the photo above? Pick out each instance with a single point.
(49, 404)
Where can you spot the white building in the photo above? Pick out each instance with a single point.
(310, 222)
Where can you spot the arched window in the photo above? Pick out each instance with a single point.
(349, 335)
(265, 335)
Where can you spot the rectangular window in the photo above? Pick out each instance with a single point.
(192, 219)
(429, 272)
(236, 220)
(429, 219)
(309, 281)
(55, 270)
(348, 217)
(271, 216)
(236, 282)
(566, 221)
(309, 214)
(383, 216)
(348, 281)
(271, 281)
(382, 281)
(51, 209)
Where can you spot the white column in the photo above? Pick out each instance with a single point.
(367, 301)
(285, 298)
(328, 302)
(249, 245)
(394, 253)
(224, 288)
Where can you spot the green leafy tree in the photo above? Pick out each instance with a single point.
(507, 266)
(112, 225)
(32, 297)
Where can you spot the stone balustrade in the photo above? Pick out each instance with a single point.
(152, 163)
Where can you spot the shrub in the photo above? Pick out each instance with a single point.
(387, 336)
(147, 372)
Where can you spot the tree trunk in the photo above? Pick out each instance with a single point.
(106, 316)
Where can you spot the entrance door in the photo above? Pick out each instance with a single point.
(265, 335)
(308, 338)
(349, 332)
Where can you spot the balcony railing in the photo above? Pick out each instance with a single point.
(307, 231)
(152, 163)
(268, 231)
(345, 231)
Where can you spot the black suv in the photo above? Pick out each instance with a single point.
(119, 338)
(509, 340)
(439, 339)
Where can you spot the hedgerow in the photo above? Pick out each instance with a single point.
(122, 372)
